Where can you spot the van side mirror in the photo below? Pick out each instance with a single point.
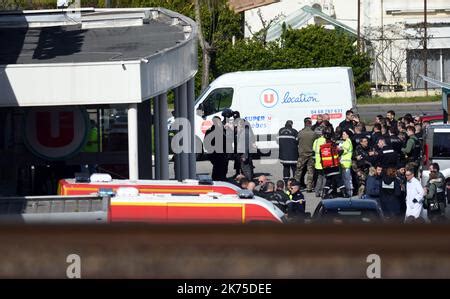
(200, 110)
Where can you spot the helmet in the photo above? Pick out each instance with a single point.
(227, 113)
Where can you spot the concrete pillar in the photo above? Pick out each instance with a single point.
(164, 138)
(156, 123)
(177, 160)
(191, 117)
(145, 140)
(133, 158)
(184, 114)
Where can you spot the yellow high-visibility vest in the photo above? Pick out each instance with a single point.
(316, 148)
(346, 157)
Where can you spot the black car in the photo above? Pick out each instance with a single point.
(345, 210)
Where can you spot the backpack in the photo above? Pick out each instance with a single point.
(329, 155)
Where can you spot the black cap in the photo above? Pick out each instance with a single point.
(295, 183)
(401, 164)
(227, 112)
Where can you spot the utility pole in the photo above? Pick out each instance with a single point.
(358, 41)
(107, 3)
(425, 54)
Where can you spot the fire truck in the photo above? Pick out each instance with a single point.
(92, 185)
(129, 206)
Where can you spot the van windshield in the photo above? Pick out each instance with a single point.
(202, 94)
(441, 145)
(217, 101)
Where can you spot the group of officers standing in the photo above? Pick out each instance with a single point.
(349, 160)
(230, 138)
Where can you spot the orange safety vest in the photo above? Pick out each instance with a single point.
(329, 155)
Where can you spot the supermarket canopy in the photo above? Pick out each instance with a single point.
(93, 56)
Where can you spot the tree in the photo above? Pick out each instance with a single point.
(217, 24)
(312, 46)
(261, 35)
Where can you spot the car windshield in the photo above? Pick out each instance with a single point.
(349, 216)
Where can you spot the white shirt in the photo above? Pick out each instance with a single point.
(414, 190)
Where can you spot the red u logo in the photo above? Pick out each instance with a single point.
(269, 98)
(55, 129)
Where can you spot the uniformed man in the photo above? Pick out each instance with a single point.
(306, 139)
(439, 193)
(329, 156)
(320, 182)
(288, 153)
(386, 156)
(346, 161)
(277, 198)
(215, 139)
(296, 204)
(412, 149)
(364, 159)
(246, 146)
(394, 140)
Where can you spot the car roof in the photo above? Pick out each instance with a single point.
(346, 203)
(439, 126)
(432, 117)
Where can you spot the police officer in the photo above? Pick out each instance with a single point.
(288, 153)
(412, 149)
(215, 143)
(386, 156)
(296, 204)
(394, 140)
(360, 133)
(277, 198)
(364, 159)
(438, 193)
(320, 182)
(306, 139)
(246, 146)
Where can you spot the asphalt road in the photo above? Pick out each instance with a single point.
(368, 112)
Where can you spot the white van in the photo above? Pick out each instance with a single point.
(267, 99)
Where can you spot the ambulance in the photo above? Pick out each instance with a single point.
(94, 183)
(267, 99)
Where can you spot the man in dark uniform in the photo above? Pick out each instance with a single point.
(215, 144)
(277, 198)
(386, 156)
(288, 153)
(364, 159)
(296, 204)
(246, 145)
(394, 140)
(347, 123)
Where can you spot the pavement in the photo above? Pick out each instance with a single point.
(368, 112)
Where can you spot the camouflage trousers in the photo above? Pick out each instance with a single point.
(361, 174)
(308, 161)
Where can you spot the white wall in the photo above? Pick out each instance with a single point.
(374, 15)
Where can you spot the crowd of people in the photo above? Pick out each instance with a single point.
(381, 163)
